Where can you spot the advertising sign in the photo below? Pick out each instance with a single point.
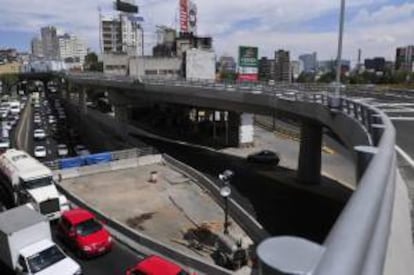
(126, 6)
(248, 64)
(248, 56)
(192, 17)
(184, 15)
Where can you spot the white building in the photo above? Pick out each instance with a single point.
(122, 34)
(200, 64)
(72, 49)
(155, 67)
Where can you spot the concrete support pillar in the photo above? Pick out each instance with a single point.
(364, 155)
(68, 91)
(82, 101)
(309, 168)
(121, 115)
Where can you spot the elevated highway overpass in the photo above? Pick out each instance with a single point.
(360, 241)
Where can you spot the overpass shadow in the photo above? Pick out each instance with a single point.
(278, 201)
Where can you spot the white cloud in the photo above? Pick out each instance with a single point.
(376, 30)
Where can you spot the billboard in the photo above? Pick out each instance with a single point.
(126, 6)
(184, 15)
(188, 16)
(248, 56)
(248, 64)
(192, 17)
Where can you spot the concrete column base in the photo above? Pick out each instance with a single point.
(309, 168)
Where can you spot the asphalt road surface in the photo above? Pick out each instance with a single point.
(113, 263)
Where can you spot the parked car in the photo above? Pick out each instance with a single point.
(40, 152)
(80, 230)
(62, 150)
(81, 150)
(156, 265)
(39, 134)
(265, 156)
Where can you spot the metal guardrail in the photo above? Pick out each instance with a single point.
(357, 244)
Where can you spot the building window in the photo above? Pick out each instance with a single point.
(151, 72)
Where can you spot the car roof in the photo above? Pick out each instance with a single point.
(154, 265)
(78, 215)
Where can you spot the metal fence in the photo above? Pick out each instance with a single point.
(115, 155)
(357, 244)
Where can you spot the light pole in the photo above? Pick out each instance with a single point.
(225, 192)
(335, 101)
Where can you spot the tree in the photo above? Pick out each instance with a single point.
(92, 63)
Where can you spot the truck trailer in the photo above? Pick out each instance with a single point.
(26, 246)
(28, 181)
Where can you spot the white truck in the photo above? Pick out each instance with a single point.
(26, 246)
(29, 181)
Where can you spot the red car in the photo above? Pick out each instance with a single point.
(155, 265)
(81, 231)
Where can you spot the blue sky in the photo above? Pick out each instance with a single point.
(375, 26)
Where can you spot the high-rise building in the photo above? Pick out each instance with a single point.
(404, 60)
(50, 43)
(376, 64)
(37, 47)
(264, 68)
(282, 71)
(121, 34)
(310, 62)
(72, 49)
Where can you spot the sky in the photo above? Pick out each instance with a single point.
(300, 26)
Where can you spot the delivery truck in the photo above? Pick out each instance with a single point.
(28, 181)
(26, 246)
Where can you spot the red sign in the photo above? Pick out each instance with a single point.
(184, 15)
(248, 77)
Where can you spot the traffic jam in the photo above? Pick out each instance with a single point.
(39, 227)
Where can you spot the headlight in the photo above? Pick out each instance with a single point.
(78, 272)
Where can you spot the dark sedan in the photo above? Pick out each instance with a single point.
(265, 157)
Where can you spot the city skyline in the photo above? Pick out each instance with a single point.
(377, 27)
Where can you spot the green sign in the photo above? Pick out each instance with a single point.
(248, 56)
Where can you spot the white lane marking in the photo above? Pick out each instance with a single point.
(401, 118)
(405, 155)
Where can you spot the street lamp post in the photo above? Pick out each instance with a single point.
(225, 192)
(335, 101)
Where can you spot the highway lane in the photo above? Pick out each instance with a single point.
(113, 263)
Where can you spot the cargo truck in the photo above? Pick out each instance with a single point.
(26, 246)
(28, 181)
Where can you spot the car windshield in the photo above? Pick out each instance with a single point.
(44, 259)
(39, 149)
(37, 183)
(63, 147)
(88, 227)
